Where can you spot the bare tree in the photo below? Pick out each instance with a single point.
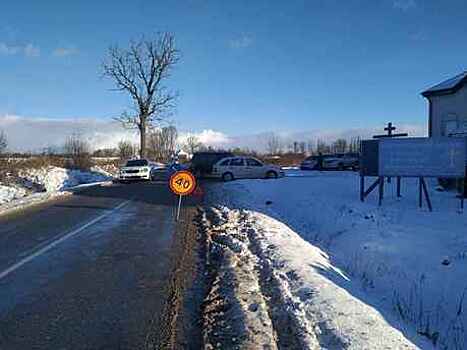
(322, 147)
(162, 143)
(3, 141)
(310, 147)
(126, 150)
(78, 150)
(340, 146)
(193, 144)
(141, 71)
(273, 144)
(354, 145)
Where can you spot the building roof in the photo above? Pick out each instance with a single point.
(447, 87)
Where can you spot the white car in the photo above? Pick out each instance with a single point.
(232, 168)
(135, 169)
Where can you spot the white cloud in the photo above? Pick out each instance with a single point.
(101, 133)
(207, 137)
(53, 132)
(241, 42)
(213, 138)
(404, 5)
(104, 133)
(29, 50)
(65, 51)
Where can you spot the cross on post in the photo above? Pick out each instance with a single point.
(390, 128)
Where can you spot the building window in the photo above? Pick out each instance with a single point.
(450, 125)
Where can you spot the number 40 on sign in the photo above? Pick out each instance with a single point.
(182, 183)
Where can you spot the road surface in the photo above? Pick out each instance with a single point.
(89, 271)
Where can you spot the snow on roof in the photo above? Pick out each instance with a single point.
(448, 86)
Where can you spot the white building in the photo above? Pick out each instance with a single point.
(448, 107)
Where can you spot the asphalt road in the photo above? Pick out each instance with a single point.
(89, 271)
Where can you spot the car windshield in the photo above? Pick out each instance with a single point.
(137, 162)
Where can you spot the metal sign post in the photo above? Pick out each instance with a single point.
(182, 183)
(179, 206)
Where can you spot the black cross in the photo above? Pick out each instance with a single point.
(390, 128)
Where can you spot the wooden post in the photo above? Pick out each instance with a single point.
(420, 192)
(462, 195)
(427, 196)
(381, 190)
(398, 187)
(362, 188)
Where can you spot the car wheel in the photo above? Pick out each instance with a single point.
(271, 175)
(341, 167)
(227, 177)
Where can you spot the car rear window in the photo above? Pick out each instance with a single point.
(225, 162)
(137, 162)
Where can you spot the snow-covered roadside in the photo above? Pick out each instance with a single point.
(276, 278)
(235, 311)
(406, 262)
(37, 185)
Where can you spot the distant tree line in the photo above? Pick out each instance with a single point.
(275, 145)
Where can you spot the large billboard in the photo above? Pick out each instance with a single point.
(430, 157)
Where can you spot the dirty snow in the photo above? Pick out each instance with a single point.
(394, 270)
(235, 311)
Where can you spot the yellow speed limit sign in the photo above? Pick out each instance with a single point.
(182, 183)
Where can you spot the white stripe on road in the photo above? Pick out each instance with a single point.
(41, 251)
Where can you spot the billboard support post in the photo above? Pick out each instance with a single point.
(423, 191)
(362, 188)
(381, 190)
(364, 193)
(420, 198)
(399, 187)
(427, 197)
(462, 195)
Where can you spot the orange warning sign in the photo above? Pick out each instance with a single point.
(182, 183)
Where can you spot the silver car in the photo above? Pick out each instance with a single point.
(232, 168)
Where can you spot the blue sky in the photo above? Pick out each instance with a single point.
(247, 66)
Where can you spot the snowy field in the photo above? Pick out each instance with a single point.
(374, 273)
(36, 185)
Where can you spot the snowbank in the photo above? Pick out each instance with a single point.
(36, 185)
(53, 179)
(407, 263)
(9, 193)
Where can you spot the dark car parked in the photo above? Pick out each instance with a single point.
(202, 162)
(340, 161)
(311, 163)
